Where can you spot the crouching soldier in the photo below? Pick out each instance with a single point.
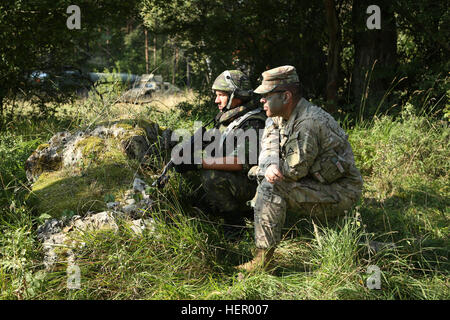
(223, 174)
(306, 164)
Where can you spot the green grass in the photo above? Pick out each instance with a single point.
(405, 167)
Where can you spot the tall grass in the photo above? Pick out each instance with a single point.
(405, 167)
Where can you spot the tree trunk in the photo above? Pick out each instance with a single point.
(334, 48)
(154, 51)
(129, 26)
(146, 50)
(175, 64)
(188, 73)
(375, 55)
(163, 42)
(2, 119)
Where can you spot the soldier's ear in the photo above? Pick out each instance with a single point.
(286, 96)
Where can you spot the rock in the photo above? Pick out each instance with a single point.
(129, 209)
(139, 185)
(58, 244)
(112, 205)
(45, 158)
(116, 131)
(130, 201)
(53, 242)
(71, 154)
(136, 137)
(145, 203)
(136, 147)
(100, 131)
(49, 228)
(75, 171)
(129, 194)
(141, 224)
(98, 221)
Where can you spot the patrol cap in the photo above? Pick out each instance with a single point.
(275, 77)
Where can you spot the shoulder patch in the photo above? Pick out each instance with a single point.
(290, 152)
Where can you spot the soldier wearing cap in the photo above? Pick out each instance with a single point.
(306, 164)
(223, 177)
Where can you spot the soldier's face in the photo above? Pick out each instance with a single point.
(222, 100)
(273, 103)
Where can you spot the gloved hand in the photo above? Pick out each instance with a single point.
(183, 167)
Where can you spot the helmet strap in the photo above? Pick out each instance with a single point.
(230, 100)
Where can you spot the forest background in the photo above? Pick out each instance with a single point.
(383, 74)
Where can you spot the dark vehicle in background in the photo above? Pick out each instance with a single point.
(66, 81)
(74, 81)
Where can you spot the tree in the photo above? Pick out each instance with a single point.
(34, 36)
(252, 35)
(424, 52)
(375, 59)
(334, 53)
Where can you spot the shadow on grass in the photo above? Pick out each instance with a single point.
(408, 214)
(417, 221)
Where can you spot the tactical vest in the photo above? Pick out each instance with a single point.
(239, 122)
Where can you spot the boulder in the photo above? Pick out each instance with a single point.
(60, 237)
(87, 181)
(135, 138)
(76, 171)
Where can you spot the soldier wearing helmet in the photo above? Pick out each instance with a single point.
(232, 88)
(224, 176)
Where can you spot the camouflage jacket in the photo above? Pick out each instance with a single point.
(310, 143)
(240, 130)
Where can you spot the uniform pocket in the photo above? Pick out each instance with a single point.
(329, 169)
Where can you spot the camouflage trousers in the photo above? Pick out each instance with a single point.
(306, 197)
(225, 192)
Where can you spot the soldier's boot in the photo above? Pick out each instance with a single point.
(262, 260)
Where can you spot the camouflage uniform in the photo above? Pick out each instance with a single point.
(316, 159)
(227, 192)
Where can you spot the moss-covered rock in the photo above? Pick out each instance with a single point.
(75, 172)
(63, 190)
(43, 159)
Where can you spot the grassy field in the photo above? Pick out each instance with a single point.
(404, 162)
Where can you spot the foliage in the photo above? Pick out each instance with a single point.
(35, 37)
(400, 142)
(186, 256)
(254, 35)
(191, 42)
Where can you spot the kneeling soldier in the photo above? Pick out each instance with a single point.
(306, 163)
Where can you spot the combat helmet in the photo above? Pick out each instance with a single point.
(234, 82)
